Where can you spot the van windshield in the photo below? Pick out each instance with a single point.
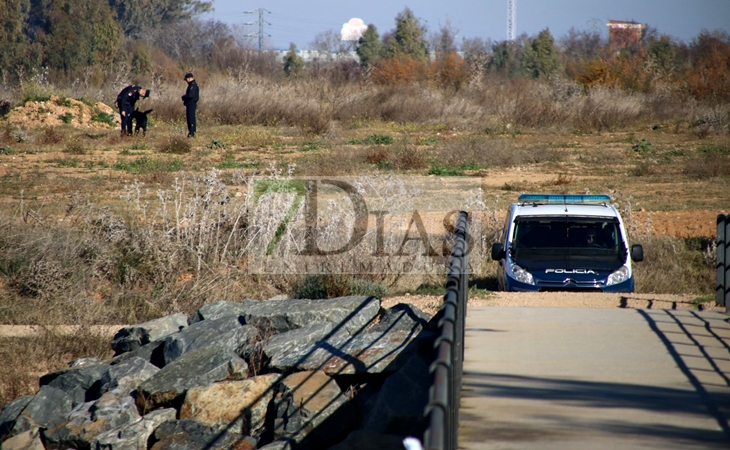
(543, 238)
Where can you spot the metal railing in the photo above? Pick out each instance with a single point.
(442, 410)
(722, 288)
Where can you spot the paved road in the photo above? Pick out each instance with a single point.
(595, 378)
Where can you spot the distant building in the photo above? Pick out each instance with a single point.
(624, 34)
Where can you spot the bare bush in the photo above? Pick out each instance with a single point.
(488, 153)
(673, 266)
(709, 165)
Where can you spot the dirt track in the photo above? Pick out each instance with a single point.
(431, 303)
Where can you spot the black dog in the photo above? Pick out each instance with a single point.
(140, 119)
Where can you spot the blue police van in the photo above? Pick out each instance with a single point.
(556, 242)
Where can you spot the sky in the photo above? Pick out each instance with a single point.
(301, 20)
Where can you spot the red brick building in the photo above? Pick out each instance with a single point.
(624, 34)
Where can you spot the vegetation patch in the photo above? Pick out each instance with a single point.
(102, 117)
(148, 165)
(719, 149)
(328, 285)
(643, 147)
(177, 146)
(374, 139)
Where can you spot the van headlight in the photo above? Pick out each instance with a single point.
(520, 274)
(619, 276)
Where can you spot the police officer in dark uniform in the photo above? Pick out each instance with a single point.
(190, 100)
(125, 102)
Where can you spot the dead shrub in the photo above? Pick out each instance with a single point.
(487, 153)
(379, 156)
(674, 266)
(400, 103)
(177, 146)
(314, 123)
(561, 180)
(407, 158)
(709, 165)
(52, 136)
(75, 148)
(346, 161)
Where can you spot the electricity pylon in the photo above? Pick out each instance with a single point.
(261, 23)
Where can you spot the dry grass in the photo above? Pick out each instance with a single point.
(24, 359)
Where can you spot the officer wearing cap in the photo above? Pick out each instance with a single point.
(190, 100)
(125, 102)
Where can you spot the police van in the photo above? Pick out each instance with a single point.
(554, 242)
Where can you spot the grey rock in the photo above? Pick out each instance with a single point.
(47, 408)
(368, 352)
(277, 316)
(10, 412)
(134, 435)
(132, 337)
(279, 297)
(88, 420)
(126, 375)
(282, 444)
(398, 407)
(152, 353)
(189, 434)
(27, 440)
(403, 317)
(285, 343)
(196, 368)
(80, 382)
(226, 332)
(220, 309)
(368, 440)
(311, 409)
(88, 361)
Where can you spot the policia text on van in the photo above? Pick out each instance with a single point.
(565, 242)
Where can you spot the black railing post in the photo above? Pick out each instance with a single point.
(445, 394)
(722, 288)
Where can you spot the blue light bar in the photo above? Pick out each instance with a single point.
(564, 198)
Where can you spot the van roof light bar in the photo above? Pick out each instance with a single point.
(564, 198)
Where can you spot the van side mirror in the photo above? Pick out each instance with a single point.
(637, 252)
(497, 251)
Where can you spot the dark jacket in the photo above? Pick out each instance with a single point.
(128, 96)
(191, 94)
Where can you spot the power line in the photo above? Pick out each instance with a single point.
(261, 23)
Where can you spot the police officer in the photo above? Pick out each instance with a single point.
(125, 102)
(190, 100)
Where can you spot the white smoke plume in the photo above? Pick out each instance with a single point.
(353, 30)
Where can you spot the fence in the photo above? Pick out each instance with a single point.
(442, 410)
(722, 289)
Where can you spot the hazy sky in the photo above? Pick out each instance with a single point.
(299, 21)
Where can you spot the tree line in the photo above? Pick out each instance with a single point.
(96, 40)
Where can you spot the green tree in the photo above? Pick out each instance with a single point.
(137, 16)
(408, 39)
(663, 55)
(369, 48)
(541, 58)
(506, 58)
(17, 51)
(75, 34)
(293, 63)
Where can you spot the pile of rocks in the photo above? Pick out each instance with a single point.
(278, 374)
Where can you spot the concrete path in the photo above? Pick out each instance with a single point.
(595, 378)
